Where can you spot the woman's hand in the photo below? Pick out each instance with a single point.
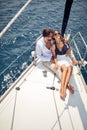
(68, 52)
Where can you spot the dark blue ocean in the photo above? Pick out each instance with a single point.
(19, 40)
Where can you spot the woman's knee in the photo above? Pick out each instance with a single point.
(69, 69)
(64, 68)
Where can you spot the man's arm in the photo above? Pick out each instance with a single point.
(40, 55)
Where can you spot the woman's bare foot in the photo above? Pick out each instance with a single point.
(71, 89)
(65, 94)
(62, 95)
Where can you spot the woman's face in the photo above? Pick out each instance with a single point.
(56, 34)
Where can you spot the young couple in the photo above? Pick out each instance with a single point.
(54, 52)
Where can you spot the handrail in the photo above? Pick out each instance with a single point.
(75, 43)
(14, 18)
(77, 49)
(78, 33)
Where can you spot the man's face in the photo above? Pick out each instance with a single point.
(49, 38)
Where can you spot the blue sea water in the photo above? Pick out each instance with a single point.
(19, 40)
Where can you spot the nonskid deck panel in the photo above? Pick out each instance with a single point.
(36, 107)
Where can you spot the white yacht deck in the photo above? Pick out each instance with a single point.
(34, 107)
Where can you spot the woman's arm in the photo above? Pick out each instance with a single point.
(68, 52)
(54, 59)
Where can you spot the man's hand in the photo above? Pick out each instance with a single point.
(52, 60)
(56, 66)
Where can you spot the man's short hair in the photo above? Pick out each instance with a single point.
(47, 31)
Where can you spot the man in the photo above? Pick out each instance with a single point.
(44, 52)
(44, 49)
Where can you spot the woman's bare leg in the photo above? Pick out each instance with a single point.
(68, 75)
(64, 72)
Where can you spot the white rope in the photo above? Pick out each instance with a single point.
(14, 18)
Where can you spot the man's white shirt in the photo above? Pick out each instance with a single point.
(42, 51)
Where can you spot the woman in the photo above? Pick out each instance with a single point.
(60, 50)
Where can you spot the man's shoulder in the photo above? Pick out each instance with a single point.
(39, 41)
